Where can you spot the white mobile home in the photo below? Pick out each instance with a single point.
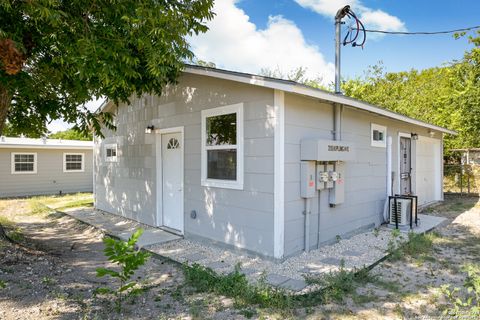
(238, 159)
(44, 166)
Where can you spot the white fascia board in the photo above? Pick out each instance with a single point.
(26, 146)
(291, 87)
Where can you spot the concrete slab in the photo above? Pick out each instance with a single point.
(194, 257)
(217, 265)
(150, 237)
(426, 223)
(331, 261)
(248, 271)
(352, 253)
(294, 285)
(276, 279)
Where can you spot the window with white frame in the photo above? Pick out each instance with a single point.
(24, 163)
(378, 135)
(222, 147)
(111, 152)
(73, 162)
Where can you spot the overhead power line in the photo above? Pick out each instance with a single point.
(422, 32)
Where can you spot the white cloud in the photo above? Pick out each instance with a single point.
(234, 42)
(372, 19)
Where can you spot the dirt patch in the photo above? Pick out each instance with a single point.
(52, 276)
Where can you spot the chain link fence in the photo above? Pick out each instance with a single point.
(461, 179)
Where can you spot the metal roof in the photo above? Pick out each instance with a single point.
(301, 89)
(9, 142)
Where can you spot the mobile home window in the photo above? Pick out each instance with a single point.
(222, 147)
(378, 136)
(73, 162)
(24, 163)
(111, 152)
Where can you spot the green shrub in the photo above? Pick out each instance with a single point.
(464, 303)
(129, 259)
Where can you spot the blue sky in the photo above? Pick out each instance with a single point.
(314, 19)
(247, 35)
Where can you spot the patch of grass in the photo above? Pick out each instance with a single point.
(37, 207)
(417, 245)
(338, 284)
(48, 281)
(76, 204)
(390, 286)
(235, 285)
(464, 302)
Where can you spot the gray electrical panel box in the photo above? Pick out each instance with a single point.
(307, 179)
(337, 193)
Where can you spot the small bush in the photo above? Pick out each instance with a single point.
(129, 259)
(464, 303)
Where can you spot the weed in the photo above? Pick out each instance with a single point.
(48, 281)
(129, 259)
(340, 283)
(3, 284)
(376, 232)
(464, 303)
(236, 286)
(338, 238)
(37, 207)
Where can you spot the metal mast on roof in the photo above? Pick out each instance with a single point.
(350, 38)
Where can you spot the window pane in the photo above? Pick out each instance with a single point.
(109, 152)
(222, 164)
(24, 167)
(222, 130)
(74, 166)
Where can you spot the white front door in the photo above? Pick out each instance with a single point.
(172, 180)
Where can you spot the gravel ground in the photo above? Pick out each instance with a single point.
(365, 249)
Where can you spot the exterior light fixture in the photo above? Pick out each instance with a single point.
(414, 136)
(431, 133)
(149, 129)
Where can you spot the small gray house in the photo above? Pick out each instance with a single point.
(237, 159)
(44, 166)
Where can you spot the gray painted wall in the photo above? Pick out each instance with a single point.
(49, 179)
(365, 180)
(240, 218)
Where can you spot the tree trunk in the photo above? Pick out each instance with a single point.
(5, 102)
(3, 234)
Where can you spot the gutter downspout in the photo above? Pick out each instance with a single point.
(389, 177)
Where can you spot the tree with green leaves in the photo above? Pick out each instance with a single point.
(447, 96)
(71, 134)
(56, 55)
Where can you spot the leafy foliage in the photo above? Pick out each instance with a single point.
(448, 96)
(464, 303)
(129, 259)
(56, 55)
(298, 75)
(71, 134)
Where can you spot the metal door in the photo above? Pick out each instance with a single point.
(405, 165)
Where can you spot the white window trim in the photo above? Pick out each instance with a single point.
(73, 154)
(227, 184)
(379, 144)
(111, 146)
(24, 172)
